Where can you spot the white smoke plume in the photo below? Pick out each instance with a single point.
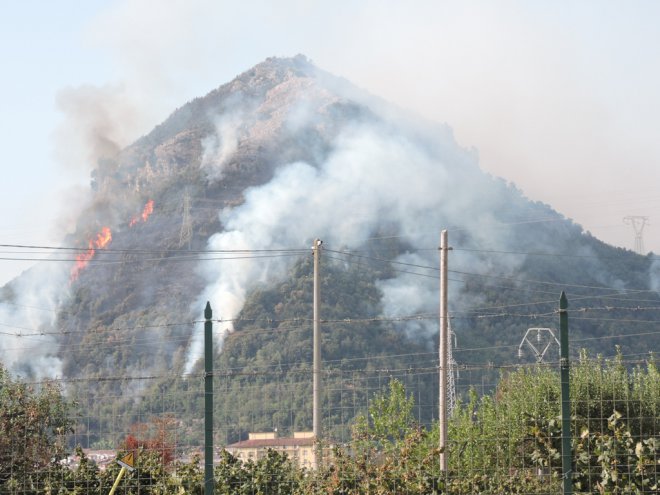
(98, 122)
(408, 295)
(374, 176)
(218, 148)
(28, 340)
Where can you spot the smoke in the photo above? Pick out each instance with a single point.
(374, 176)
(488, 69)
(408, 295)
(98, 123)
(30, 312)
(218, 148)
(654, 275)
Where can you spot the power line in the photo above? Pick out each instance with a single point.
(558, 284)
(150, 251)
(434, 277)
(513, 279)
(618, 336)
(539, 253)
(458, 228)
(257, 253)
(299, 324)
(100, 262)
(362, 372)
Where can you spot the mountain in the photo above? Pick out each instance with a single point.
(221, 203)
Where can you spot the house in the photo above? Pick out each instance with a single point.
(299, 448)
(102, 458)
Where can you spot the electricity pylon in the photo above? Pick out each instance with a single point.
(185, 235)
(638, 223)
(545, 338)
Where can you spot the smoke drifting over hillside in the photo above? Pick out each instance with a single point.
(655, 276)
(376, 175)
(99, 122)
(32, 311)
(220, 146)
(291, 154)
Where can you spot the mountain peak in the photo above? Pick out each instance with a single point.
(274, 83)
(277, 69)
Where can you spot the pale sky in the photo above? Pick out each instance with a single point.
(560, 98)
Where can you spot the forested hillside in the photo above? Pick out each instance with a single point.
(221, 203)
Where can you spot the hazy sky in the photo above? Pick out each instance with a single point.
(560, 98)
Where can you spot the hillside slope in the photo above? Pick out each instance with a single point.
(221, 202)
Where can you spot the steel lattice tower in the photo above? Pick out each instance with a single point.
(185, 235)
(638, 223)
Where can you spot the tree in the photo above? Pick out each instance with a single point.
(273, 474)
(390, 452)
(156, 438)
(33, 425)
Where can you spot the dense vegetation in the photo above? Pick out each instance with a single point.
(33, 424)
(505, 442)
(262, 375)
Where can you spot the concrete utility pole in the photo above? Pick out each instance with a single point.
(444, 342)
(316, 366)
(638, 223)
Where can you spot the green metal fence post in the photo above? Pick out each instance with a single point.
(208, 401)
(566, 453)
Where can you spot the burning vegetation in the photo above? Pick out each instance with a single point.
(144, 216)
(103, 239)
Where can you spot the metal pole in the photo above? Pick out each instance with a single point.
(442, 415)
(119, 477)
(566, 454)
(208, 401)
(316, 413)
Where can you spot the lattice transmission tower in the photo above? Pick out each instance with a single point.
(185, 235)
(638, 223)
(539, 341)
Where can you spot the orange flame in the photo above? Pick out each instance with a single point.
(146, 212)
(103, 238)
